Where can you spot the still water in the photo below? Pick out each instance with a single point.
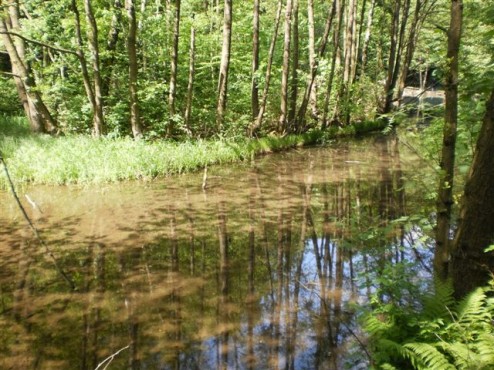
(262, 270)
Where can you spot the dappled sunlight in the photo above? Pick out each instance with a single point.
(262, 269)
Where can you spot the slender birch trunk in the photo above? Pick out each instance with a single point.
(255, 61)
(283, 120)
(190, 85)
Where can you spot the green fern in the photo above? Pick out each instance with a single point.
(443, 334)
(426, 356)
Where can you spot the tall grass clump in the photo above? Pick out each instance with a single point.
(79, 159)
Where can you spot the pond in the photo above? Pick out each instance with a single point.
(261, 270)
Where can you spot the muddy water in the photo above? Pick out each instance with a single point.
(262, 270)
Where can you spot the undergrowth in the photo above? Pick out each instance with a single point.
(435, 333)
(71, 159)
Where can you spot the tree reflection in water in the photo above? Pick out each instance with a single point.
(260, 271)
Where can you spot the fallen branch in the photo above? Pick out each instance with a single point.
(110, 358)
(33, 228)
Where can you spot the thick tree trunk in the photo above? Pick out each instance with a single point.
(258, 121)
(445, 192)
(190, 84)
(135, 119)
(470, 265)
(283, 120)
(172, 93)
(225, 65)
(99, 123)
(255, 61)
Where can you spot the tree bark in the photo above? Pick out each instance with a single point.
(172, 93)
(88, 86)
(255, 61)
(258, 121)
(295, 66)
(311, 85)
(283, 120)
(99, 122)
(445, 192)
(470, 265)
(111, 46)
(39, 116)
(312, 58)
(367, 36)
(225, 65)
(135, 119)
(190, 84)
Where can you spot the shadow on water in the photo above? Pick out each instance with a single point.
(260, 271)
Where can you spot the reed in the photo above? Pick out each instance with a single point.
(80, 159)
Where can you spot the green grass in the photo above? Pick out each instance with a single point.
(42, 159)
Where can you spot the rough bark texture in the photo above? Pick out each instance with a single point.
(470, 266)
(225, 65)
(445, 192)
(135, 120)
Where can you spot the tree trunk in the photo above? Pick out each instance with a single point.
(258, 121)
(339, 6)
(470, 265)
(255, 61)
(312, 59)
(388, 87)
(295, 66)
(225, 65)
(283, 120)
(135, 119)
(88, 86)
(313, 73)
(98, 121)
(173, 67)
(445, 192)
(190, 85)
(39, 116)
(111, 46)
(367, 36)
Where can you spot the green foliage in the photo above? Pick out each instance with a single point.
(436, 333)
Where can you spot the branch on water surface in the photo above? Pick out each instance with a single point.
(110, 358)
(33, 228)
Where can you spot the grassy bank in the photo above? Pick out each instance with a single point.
(41, 159)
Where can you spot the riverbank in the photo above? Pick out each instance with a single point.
(79, 159)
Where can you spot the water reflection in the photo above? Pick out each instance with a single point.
(260, 271)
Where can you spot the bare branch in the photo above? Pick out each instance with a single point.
(39, 43)
(110, 358)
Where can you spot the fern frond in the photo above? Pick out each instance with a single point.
(471, 309)
(461, 353)
(429, 356)
(485, 348)
(437, 305)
